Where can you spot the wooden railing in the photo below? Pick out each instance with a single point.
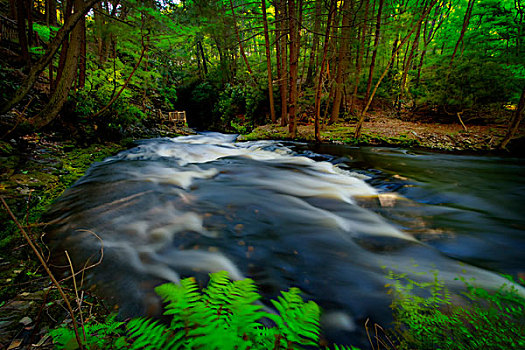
(8, 29)
(177, 118)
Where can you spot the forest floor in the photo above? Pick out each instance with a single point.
(388, 131)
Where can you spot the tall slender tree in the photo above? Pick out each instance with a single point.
(342, 61)
(268, 61)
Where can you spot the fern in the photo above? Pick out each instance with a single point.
(224, 315)
(98, 335)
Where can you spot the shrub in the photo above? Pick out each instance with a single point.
(486, 321)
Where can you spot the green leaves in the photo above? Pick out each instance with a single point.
(224, 315)
(484, 319)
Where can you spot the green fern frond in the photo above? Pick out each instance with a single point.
(148, 334)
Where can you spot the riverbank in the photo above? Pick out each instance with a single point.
(34, 171)
(386, 131)
(39, 167)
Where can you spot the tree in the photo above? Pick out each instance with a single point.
(38, 66)
(515, 121)
(268, 61)
(67, 77)
(342, 60)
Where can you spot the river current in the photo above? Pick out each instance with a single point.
(331, 220)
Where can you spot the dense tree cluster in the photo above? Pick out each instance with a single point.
(235, 64)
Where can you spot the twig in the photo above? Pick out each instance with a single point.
(461, 121)
(368, 334)
(76, 295)
(53, 279)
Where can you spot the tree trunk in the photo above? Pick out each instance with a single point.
(360, 57)
(241, 47)
(315, 42)
(466, 21)
(21, 16)
(283, 79)
(342, 61)
(83, 55)
(268, 61)
(515, 122)
(293, 20)
(374, 53)
(65, 45)
(42, 63)
(123, 86)
(358, 128)
(51, 12)
(204, 65)
(407, 64)
(68, 77)
(321, 72)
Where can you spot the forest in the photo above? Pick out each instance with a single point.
(81, 80)
(108, 68)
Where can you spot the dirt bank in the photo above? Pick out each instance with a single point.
(385, 131)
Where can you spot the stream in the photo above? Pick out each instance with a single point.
(329, 219)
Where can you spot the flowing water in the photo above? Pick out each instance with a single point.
(331, 220)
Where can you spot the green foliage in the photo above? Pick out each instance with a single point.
(470, 82)
(98, 335)
(224, 315)
(426, 318)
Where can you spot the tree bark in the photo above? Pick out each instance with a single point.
(466, 21)
(51, 12)
(42, 63)
(293, 19)
(21, 16)
(321, 72)
(407, 64)
(268, 62)
(360, 57)
(83, 55)
(515, 122)
(342, 61)
(358, 128)
(65, 45)
(68, 77)
(241, 47)
(123, 86)
(374, 53)
(315, 42)
(283, 78)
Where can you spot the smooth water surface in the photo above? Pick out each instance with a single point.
(331, 220)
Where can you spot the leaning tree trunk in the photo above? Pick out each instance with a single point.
(515, 122)
(42, 63)
(359, 126)
(466, 21)
(69, 75)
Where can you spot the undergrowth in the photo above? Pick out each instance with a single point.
(427, 318)
(224, 315)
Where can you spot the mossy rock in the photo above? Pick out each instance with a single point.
(36, 179)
